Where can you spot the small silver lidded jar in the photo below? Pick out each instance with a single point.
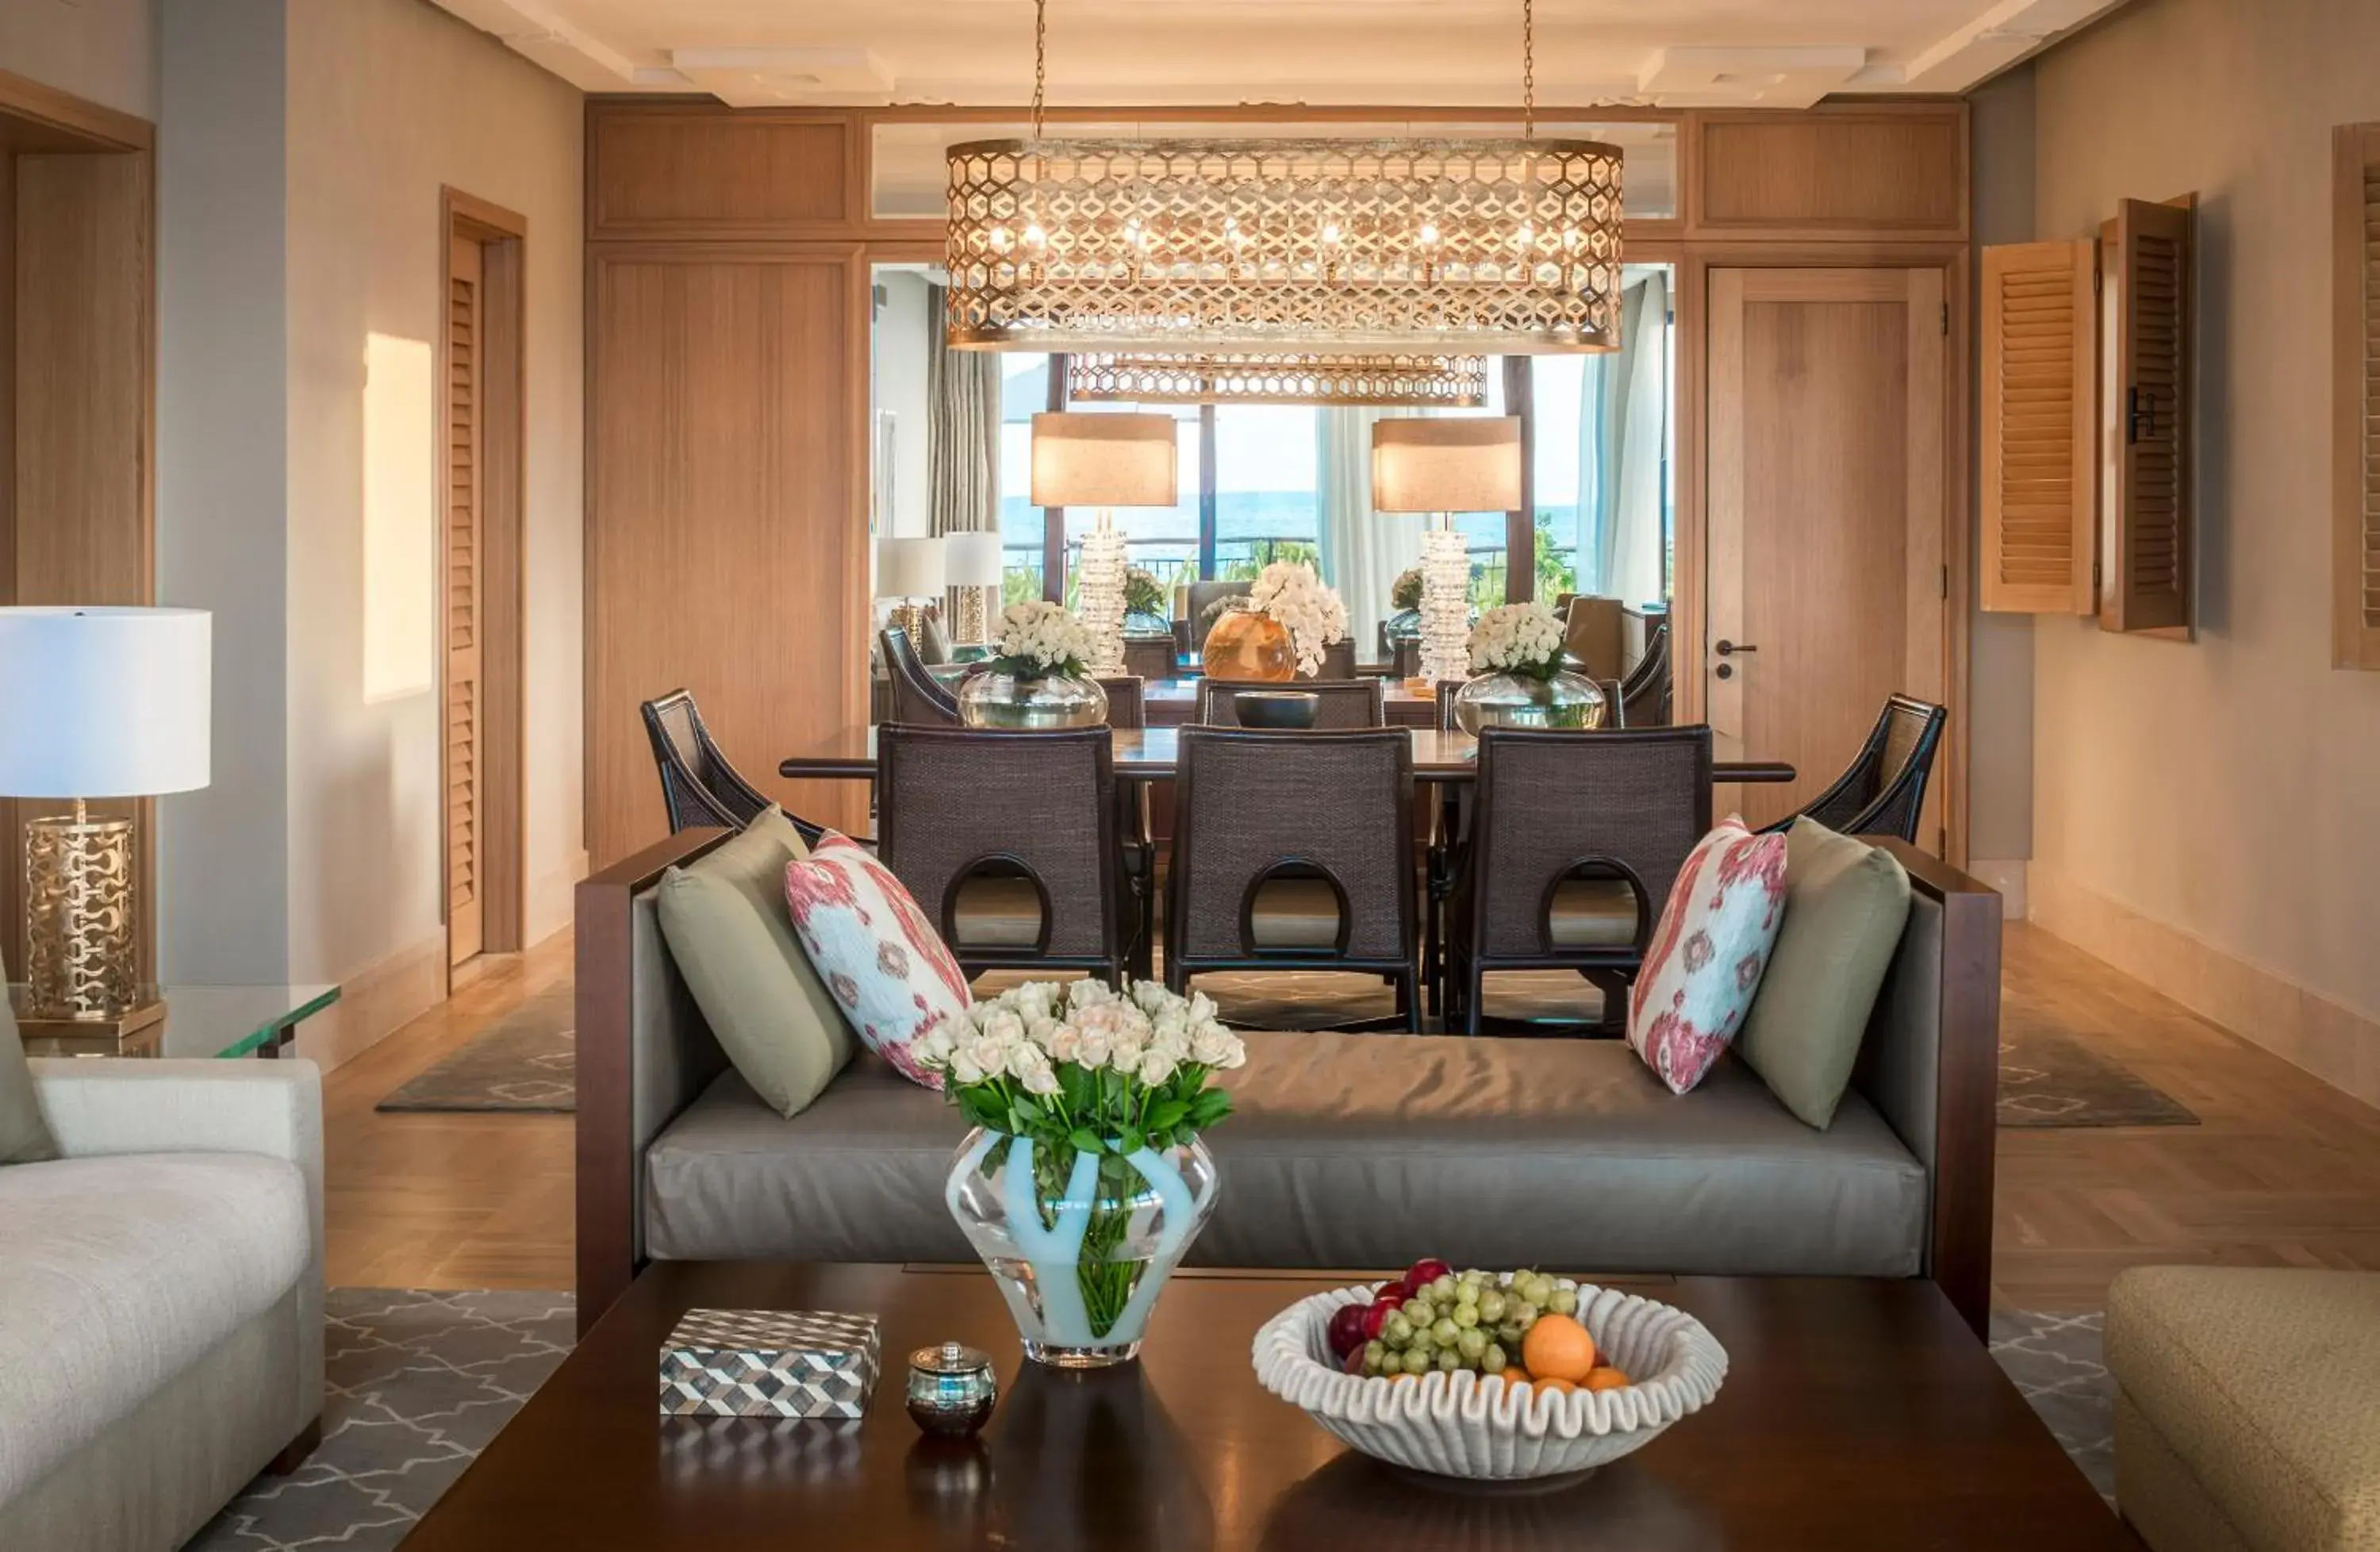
(952, 1389)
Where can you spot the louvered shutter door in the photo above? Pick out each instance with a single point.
(2040, 361)
(2151, 589)
(2355, 610)
(461, 586)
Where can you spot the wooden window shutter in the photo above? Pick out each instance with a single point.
(2150, 540)
(2355, 453)
(2040, 367)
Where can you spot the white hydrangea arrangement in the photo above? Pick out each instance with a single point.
(1041, 638)
(1084, 1068)
(1312, 612)
(1522, 638)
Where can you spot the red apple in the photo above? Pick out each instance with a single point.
(1354, 1363)
(1395, 1286)
(1347, 1329)
(1423, 1272)
(1377, 1313)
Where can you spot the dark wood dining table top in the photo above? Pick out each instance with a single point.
(1148, 754)
(1856, 1416)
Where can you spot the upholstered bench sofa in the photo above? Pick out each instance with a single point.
(161, 1298)
(1344, 1150)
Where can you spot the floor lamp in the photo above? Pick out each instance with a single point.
(1443, 465)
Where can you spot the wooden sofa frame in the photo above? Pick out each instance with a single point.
(1959, 1253)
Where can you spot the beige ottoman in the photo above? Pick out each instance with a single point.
(2247, 1408)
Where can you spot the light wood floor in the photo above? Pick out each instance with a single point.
(2282, 1169)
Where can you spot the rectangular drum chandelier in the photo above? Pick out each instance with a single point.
(1203, 248)
(1447, 381)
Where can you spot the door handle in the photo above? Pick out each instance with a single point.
(1727, 649)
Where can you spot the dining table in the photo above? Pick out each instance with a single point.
(1150, 754)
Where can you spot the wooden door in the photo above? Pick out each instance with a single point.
(1827, 498)
(460, 582)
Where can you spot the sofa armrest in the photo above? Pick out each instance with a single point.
(1930, 1065)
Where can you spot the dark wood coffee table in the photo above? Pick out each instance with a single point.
(1856, 1415)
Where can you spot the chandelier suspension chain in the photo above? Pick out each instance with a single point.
(1041, 59)
(1528, 70)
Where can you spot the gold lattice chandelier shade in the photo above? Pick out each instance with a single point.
(1447, 382)
(1506, 247)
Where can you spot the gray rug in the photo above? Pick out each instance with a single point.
(526, 1060)
(421, 1382)
(2049, 1079)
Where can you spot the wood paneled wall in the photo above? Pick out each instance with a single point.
(727, 383)
(76, 397)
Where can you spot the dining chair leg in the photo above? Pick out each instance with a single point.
(1475, 987)
(1409, 1001)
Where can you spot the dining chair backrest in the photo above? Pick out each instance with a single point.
(918, 698)
(1556, 807)
(1645, 690)
(1205, 596)
(1332, 808)
(1150, 657)
(1127, 700)
(699, 786)
(1883, 792)
(1342, 703)
(963, 812)
(1338, 661)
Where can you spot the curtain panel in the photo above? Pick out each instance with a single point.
(961, 435)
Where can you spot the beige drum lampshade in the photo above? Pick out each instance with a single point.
(100, 701)
(909, 568)
(971, 560)
(1103, 460)
(1466, 464)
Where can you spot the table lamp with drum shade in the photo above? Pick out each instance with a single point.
(95, 702)
(1443, 466)
(1103, 461)
(909, 574)
(971, 566)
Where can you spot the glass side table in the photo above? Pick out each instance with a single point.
(200, 1021)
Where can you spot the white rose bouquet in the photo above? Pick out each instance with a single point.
(1312, 613)
(1518, 638)
(1039, 639)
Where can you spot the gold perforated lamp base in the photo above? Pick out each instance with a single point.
(81, 954)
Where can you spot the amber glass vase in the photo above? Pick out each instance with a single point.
(1248, 644)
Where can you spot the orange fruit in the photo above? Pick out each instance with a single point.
(1603, 1376)
(1395, 1378)
(1558, 1348)
(1561, 1386)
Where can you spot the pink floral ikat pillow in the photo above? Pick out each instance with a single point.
(1708, 953)
(886, 967)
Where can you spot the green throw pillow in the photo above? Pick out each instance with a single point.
(1845, 904)
(732, 934)
(24, 1137)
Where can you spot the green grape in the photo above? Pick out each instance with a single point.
(1376, 1352)
(1493, 1360)
(1415, 1361)
(1526, 1318)
(1563, 1301)
(1396, 1330)
(1468, 1293)
(1442, 1290)
(1446, 1331)
(1491, 1307)
(1465, 1315)
(1449, 1360)
(1421, 1312)
(1472, 1343)
(1509, 1331)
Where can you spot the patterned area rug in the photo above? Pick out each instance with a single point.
(2048, 1079)
(421, 1382)
(526, 1060)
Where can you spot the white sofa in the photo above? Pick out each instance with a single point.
(160, 1299)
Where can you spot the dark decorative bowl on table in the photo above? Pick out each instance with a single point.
(1291, 710)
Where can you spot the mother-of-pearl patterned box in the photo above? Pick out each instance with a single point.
(770, 1363)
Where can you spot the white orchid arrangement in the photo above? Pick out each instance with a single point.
(1041, 638)
(1083, 1068)
(1311, 611)
(1522, 638)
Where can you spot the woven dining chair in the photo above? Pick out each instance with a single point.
(1294, 851)
(1127, 700)
(1883, 793)
(699, 786)
(1128, 711)
(1575, 842)
(1345, 703)
(1645, 690)
(1150, 657)
(1011, 843)
(918, 698)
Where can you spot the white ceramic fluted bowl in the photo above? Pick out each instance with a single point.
(1478, 1426)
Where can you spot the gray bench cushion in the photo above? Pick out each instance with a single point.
(1352, 1151)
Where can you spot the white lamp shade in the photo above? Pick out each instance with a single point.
(1466, 464)
(1103, 460)
(908, 569)
(971, 560)
(103, 702)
